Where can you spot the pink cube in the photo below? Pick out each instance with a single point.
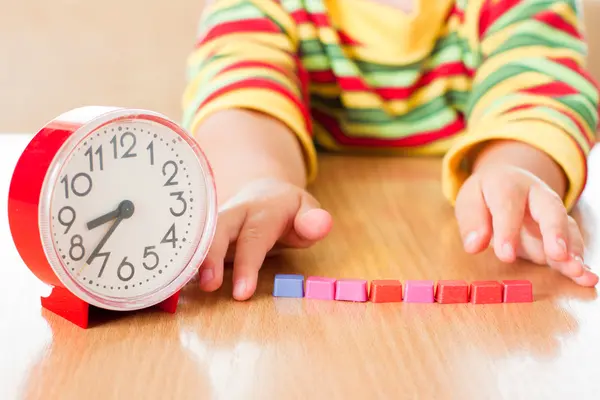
(418, 292)
(351, 290)
(318, 287)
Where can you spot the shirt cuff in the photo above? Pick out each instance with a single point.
(545, 136)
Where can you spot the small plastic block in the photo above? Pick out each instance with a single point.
(386, 291)
(452, 291)
(320, 288)
(288, 285)
(517, 291)
(418, 292)
(486, 292)
(351, 290)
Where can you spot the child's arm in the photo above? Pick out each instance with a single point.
(531, 123)
(246, 104)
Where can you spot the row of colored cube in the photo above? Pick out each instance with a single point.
(414, 291)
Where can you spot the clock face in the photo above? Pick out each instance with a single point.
(128, 208)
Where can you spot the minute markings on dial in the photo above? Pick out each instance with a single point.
(76, 185)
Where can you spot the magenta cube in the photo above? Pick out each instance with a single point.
(418, 292)
(351, 290)
(318, 287)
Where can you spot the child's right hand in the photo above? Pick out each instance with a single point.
(263, 215)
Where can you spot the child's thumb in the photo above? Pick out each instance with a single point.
(311, 223)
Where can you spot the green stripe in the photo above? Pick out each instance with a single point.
(399, 127)
(521, 12)
(238, 12)
(582, 107)
(211, 87)
(535, 33)
(559, 116)
(377, 115)
(490, 81)
(562, 74)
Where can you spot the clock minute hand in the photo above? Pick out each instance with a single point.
(124, 211)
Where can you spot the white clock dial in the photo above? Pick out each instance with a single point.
(133, 251)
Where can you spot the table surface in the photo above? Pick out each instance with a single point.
(390, 221)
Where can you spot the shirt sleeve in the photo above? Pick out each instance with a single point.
(246, 56)
(530, 85)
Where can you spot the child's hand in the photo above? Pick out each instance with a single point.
(264, 214)
(523, 217)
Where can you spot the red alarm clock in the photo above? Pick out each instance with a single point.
(113, 207)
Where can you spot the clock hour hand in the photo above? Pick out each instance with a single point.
(109, 216)
(124, 211)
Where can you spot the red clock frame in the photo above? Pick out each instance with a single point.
(23, 213)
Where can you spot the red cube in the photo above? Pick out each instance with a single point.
(386, 291)
(452, 291)
(486, 292)
(517, 291)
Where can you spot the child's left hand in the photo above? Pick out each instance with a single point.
(522, 217)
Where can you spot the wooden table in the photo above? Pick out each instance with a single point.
(390, 222)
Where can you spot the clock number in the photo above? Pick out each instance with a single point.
(90, 155)
(170, 236)
(181, 199)
(129, 266)
(78, 177)
(105, 255)
(76, 247)
(128, 153)
(150, 149)
(170, 181)
(149, 253)
(68, 223)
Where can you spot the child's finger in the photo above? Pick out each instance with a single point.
(259, 233)
(506, 201)
(548, 211)
(574, 266)
(310, 224)
(473, 217)
(228, 225)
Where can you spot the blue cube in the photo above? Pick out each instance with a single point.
(288, 285)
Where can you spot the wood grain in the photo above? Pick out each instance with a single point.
(390, 221)
(269, 348)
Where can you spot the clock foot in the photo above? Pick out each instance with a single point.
(67, 305)
(170, 305)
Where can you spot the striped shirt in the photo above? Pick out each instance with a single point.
(355, 75)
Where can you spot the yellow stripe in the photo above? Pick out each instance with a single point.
(327, 90)
(278, 14)
(471, 22)
(257, 72)
(424, 95)
(242, 42)
(270, 103)
(532, 114)
(540, 101)
(437, 148)
(566, 13)
(509, 86)
(500, 60)
(546, 137)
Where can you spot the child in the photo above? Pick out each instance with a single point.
(497, 86)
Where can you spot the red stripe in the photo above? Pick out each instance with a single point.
(261, 64)
(576, 122)
(321, 20)
(573, 65)
(556, 21)
(262, 25)
(257, 83)
(491, 10)
(423, 138)
(356, 84)
(551, 89)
